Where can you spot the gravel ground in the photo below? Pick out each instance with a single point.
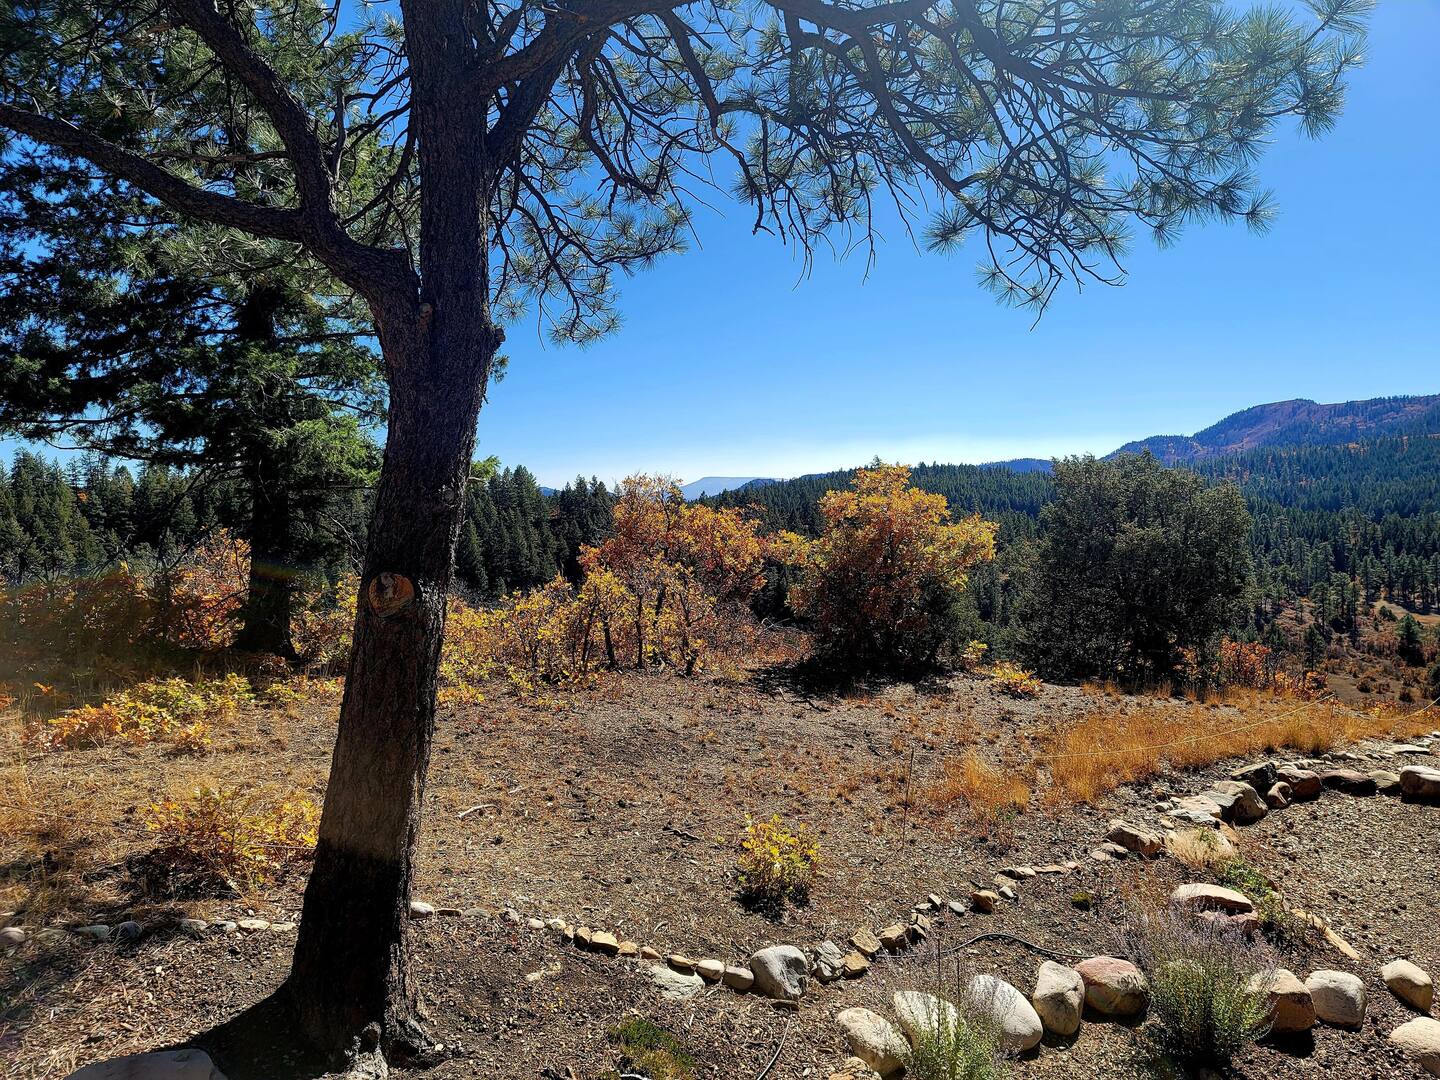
(619, 809)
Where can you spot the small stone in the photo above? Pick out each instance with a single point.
(602, 941)
(1291, 1009)
(649, 952)
(130, 930)
(1410, 983)
(1339, 997)
(874, 1040)
(1113, 987)
(895, 937)
(628, 950)
(449, 912)
(1059, 998)
(921, 1014)
(1279, 795)
(1018, 873)
(1195, 809)
(250, 926)
(1204, 897)
(1420, 783)
(1350, 781)
(419, 909)
(674, 985)
(737, 978)
(583, 937)
(710, 969)
(781, 972)
(866, 942)
(681, 962)
(101, 932)
(11, 936)
(226, 926)
(1014, 1017)
(1421, 1039)
(920, 926)
(282, 927)
(1134, 838)
(935, 901)
(854, 965)
(829, 962)
(1007, 893)
(558, 925)
(164, 1065)
(984, 901)
(535, 924)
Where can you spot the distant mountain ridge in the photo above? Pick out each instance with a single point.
(1298, 422)
(717, 485)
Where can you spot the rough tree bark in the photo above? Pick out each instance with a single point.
(351, 969)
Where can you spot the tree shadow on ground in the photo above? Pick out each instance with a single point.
(819, 678)
(264, 1043)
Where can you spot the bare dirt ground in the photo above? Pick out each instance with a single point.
(619, 808)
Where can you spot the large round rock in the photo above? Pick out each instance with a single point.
(165, 1065)
(781, 972)
(1420, 1038)
(1410, 983)
(1059, 998)
(1291, 1009)
(1114, 987)
(1014, 1017)
(1339, 997)
(1420, 783)
(874, 1040)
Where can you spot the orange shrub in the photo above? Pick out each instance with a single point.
(199, 600)
(213, 835)
(882, 584)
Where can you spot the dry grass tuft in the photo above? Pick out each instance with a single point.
(1201, 849)
(986, 790)
(1124, 742)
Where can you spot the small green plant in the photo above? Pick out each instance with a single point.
(960, 1043)
(647, 1049)
(777, 863)
(1201, 995)
(1236, 873)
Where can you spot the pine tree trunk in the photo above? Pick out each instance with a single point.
(270, 597)
(351, 969)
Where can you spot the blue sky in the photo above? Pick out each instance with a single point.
(729, 363)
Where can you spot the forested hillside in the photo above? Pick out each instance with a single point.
(1298, 422)
(1328, 519)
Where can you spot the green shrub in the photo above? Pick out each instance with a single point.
(1201, 1002)
(962, 1046)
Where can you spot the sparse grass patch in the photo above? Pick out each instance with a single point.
(1200, 848)
(1122, 743)
(647, 1049)
(989, 792)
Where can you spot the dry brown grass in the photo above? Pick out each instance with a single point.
(1122, 742)
(1202, 849)
(988, 791)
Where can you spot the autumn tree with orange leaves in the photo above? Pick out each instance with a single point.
(674, 576)
(883, 584)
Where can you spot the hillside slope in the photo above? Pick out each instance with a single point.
(1298, 422)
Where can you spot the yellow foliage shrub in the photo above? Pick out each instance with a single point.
(776, 862)
(1014, 680)
(213, 835)
(160, 710)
